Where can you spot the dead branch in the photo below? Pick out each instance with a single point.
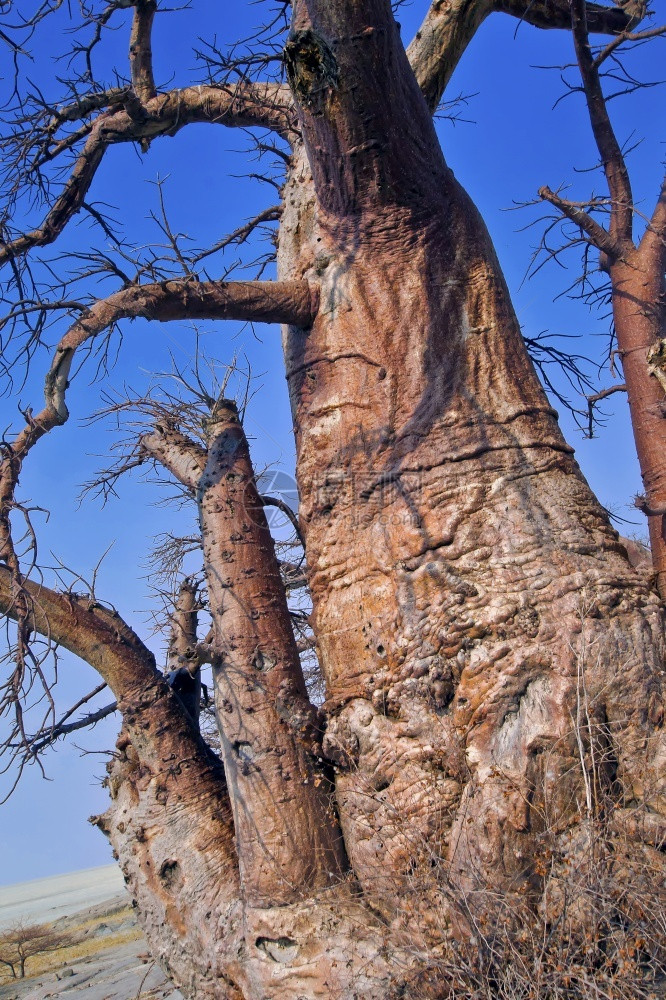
(596, 398)
(67, 205)
(575, 211)
(626, 36)
(47, 737)
(282, 302)
(241, 105)
(448, 28)
(612, 158)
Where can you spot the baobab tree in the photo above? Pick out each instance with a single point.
(491, 734)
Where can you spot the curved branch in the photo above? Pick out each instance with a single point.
(245, 105)
(293, 302)
(67, 205)
(557, 14)
(90, 631)
(440, 42)
(448, 28)
(268, 501)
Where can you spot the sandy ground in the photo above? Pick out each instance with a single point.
(110, 960)
(44, 900)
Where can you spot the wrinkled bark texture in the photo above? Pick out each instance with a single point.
(493, 663)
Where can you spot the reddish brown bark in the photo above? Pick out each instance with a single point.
(639, 312)
(454, 548)
(494, 664)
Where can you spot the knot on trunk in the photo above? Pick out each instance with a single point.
(312, 68)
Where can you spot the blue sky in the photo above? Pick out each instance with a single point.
(514, 143)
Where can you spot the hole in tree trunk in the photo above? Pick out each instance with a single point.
(281, 949)
(169, 871)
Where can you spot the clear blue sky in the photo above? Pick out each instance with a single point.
(514, 143)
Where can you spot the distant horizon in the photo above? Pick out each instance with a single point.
(56, 875)
(44, 900)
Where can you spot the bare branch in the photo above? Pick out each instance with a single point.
(440, 42)
(556, 14)
(626, 36)
(67, 205)
(263, 301)
(596, 398)
(615, 168)
(85, 628)
(284, 302)
(46, 738)
(239, 235)
(183, 458)
(85, 104)
(241, 105)
(575, 211)
(287, 511)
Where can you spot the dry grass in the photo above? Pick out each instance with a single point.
(83, 948)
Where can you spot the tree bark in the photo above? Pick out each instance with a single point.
(493, 663)
(639, 314)
(287, 834)
(465, 580)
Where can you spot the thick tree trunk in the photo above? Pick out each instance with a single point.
(494, 665)
(479, 623)
(467, 585)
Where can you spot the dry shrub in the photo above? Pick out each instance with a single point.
(593, 928)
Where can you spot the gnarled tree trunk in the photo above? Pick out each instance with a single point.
(493, 664)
